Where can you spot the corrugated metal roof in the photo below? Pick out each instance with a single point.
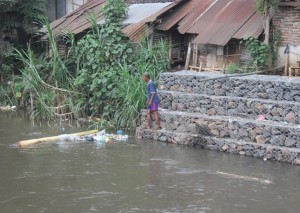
(140, 30)
(138, 17)
(174, 16)
(200, 9)
(222, 21)
(137, 32)
(212, 21)
(215, 21)
(139, 12)
(252, 28)
(77, 21)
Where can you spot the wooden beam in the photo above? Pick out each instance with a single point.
(188, 57)
(286, 68)
(170, 46)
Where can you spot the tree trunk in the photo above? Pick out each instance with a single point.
(267, 16)
(267, 21)
(267, 29)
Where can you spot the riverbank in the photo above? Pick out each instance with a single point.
(255, 115)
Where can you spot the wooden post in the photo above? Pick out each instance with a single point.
(170, 46)
(195, 55)
(290, 72)
(200, 67)
(188, 57)
(286, 69)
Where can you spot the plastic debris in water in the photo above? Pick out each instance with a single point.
(101, 132)
(119, 132)
(99, 138)
(8, 108)
(121, 138)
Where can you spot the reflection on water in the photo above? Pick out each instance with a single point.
(135, 176)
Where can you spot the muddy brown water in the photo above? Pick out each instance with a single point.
(136, 176)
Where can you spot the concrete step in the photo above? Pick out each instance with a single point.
(249, 130)
(282, 111)
(276, 88)
(263, 151)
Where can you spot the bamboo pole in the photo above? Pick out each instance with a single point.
(26, 143)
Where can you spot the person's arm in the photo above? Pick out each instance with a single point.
(151, 99)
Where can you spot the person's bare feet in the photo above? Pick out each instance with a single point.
(148, 127)
(158, 128)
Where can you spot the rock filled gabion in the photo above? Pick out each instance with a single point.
(255, 116)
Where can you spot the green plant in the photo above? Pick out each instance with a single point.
(101, 75)
(49, 84)
(267, 9)
(98, 55)
(233, 68)
(259, 52)
(132, 90)
(19, 19)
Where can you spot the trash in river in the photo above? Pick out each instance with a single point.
(101, 132)
(8, 108)
(101, 137)
(119, 132)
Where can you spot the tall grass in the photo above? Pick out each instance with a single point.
(132, 89)
(48, 84)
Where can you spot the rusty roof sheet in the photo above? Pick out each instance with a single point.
(212, 21)
(137, 32)
(199, 10)
(77, 21)
(140, 30)
(252, 28)
(215, 21)
(222, 21)
(174, 16)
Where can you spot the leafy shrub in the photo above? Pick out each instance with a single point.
(259, 52)
(233, 68)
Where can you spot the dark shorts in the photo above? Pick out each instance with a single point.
(153, 107)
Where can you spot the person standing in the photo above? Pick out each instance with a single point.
(152, 102)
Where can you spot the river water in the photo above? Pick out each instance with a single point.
(136, 176)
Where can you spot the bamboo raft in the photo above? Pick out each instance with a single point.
(25, 143)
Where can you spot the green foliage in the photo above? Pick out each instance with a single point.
(259, 52)
(18, 16)
(233, 68)
(98, 55)
(48, 82)
(264, 6)
(102, 74)
(151, 59)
